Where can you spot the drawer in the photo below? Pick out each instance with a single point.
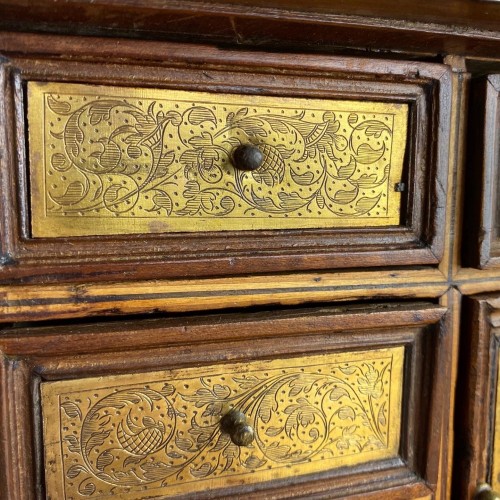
(347, 402)
(482, 248)
(478, 423)
(122, 161)
(193, 429)
(118, 162)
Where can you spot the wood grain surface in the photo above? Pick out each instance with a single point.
(464, 27)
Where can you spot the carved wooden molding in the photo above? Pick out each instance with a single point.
(477, 418)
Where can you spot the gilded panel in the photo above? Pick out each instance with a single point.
(495, 466)
(159, 434)
(112, 160)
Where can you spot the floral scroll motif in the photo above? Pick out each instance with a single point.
(170, 158)
(166, 433)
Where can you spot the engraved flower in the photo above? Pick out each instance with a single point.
(349, 438)
(202, 159)
(324, 138)
(306, 417)
(142, 439)
(371, 384)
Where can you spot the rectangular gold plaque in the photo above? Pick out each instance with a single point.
(158, 434)
(495, 468)
(112, 160)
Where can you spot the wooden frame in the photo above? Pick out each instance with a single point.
(476, 396)
(464, 27)
(417, 241)
(481, 217)
(33, 355)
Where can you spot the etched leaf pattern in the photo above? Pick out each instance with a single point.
(131, 157)
(156, 434)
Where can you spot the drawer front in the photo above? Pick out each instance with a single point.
(160, 433)
(350, 157)
(482, 212)
(478, 424)
(339, 402)
(495, 462)
(108, 160)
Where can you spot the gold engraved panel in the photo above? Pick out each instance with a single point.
(495, 468)
(158, 434)
(109, 160)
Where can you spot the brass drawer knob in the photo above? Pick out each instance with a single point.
(235, 424)
(247, 157)
(484, 492)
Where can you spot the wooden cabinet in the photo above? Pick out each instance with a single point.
(249, 249)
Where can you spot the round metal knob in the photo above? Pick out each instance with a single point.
(484, 492)
(247, 157)
(235, 424)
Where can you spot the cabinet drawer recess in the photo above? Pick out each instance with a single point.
(115, 160)
(160, 434)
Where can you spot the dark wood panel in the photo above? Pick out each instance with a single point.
(481, 201)
(418, 240)
(476, 401)
(34, 355)
(451, 26)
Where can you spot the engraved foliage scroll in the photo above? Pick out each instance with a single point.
(158, 434)
(109, 160)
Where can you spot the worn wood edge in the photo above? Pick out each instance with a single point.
(472, 281)
(474, 409)
(439, 163)
(148, 333)
(435, 35)
(207, 265)
(450, 264)
(439, 410)
(478, 219)
(27, 303)
(277, 10)
(70, 46)
(444, 265)
(17, 476)
(410, 487)
(452, 300)
(7, 158)
(487, 256)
